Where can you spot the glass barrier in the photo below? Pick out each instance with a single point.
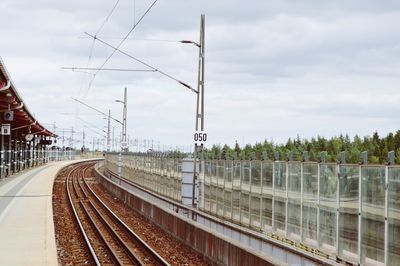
(279, 215)
(228, 190)
(214, 185)
(207, 185)
(255, 177)
(294, 200)
(348, 212)
(266, 212)
(393, 252)
(279, 198)
(322, 205)
(236, 180)
(327, 207)
(220, 189)
(372, 214)
(310, 204)
(245, 175)
(245, 208)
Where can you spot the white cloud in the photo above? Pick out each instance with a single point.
(274, 69)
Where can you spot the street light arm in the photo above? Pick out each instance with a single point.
(187, 86)
(192, 42)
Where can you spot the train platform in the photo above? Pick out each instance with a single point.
(26, 216)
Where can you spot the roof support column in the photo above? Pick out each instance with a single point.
(2, 155)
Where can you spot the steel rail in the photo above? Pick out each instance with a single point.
(108, 249)
(131, 235)
(85, 237)
(119, 242)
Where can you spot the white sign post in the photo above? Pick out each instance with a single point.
(5, 129)
(124, 145)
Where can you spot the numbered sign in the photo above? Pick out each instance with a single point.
(5, 129)
(200, 137)
(124, 145)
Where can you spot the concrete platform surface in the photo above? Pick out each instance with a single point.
(26, 217)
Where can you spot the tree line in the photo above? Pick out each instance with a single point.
(316, 149)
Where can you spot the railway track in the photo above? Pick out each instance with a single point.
(109, 240)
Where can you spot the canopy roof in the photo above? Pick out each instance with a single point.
(24, 122)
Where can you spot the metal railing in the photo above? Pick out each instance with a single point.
(160, 174)
(14, 161)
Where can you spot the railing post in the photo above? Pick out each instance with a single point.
(337, 207)
(119, 164)
(301, 197)
(273, 194)
(391, 157)
(364, 160)
(318, 201)
(261, 192)
(286, 198)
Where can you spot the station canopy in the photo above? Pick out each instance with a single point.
(23, 121)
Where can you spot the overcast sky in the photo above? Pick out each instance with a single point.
(274, 69)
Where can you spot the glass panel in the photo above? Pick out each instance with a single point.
(348, 212)
(227, 204)
(280, 178)
(327, 208)
(256, 177)
(372, 214)
(310, 204)
(236, 205)
(220, 201)
(207, 187)
(228, 174)
(236, 191)
(207, 196)
(279, 215)
(294, 219)
(266, 215)
(294, 199)
(255, 208)
(267, 175)
(220, 191)
(394, 216)
(220, 173)
(246, 175)
(213, 199)
(214, 184)
(244, 208)
(280, 197)
(228, 190)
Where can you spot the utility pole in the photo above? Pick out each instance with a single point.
(72, 137)
(83, 140)
(124, 144)
(199, 103)
(124, 121)
(113, 140)
(63, 138)
(108, 130)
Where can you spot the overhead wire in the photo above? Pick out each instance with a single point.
(92, 46)
(108, 16)
(91, 125)
(119, 45)
(91, 54)
(142, 62)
